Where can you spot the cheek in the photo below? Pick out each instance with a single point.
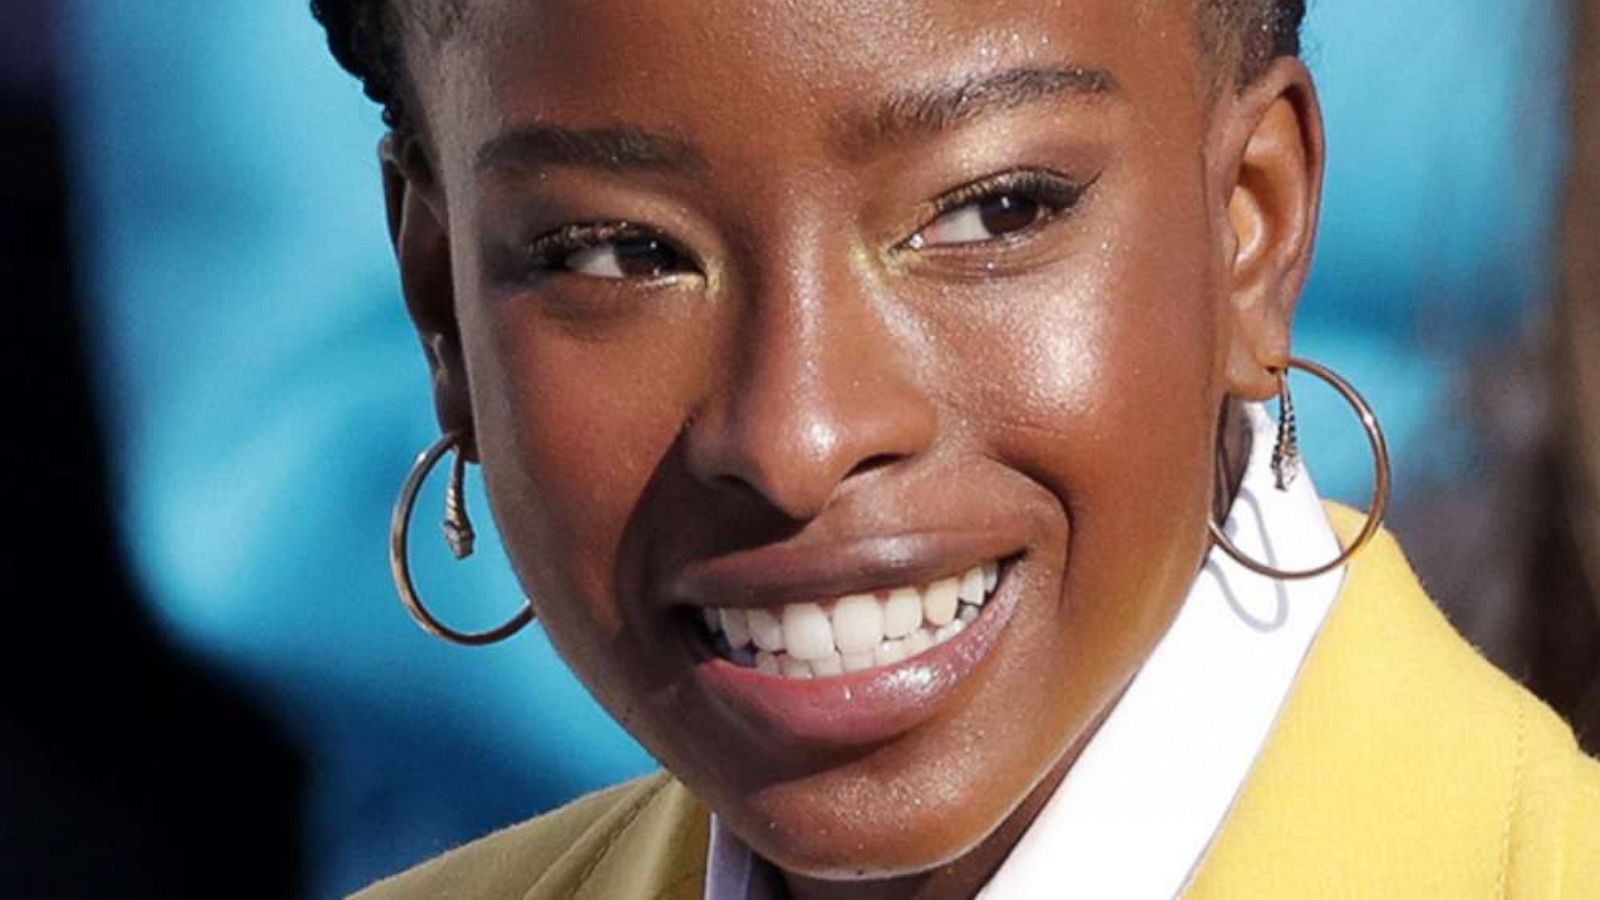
(571, 434)
(1109, 401)
(1130, 321)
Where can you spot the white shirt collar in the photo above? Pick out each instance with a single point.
(1139, 807)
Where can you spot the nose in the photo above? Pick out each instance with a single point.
(819, 391)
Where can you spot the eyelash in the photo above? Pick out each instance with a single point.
(550, 251)
(1057, 194)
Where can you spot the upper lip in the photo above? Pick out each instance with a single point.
(796, 572)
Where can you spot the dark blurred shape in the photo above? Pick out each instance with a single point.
(125, 770)
(1515, 554)
(1567, 557)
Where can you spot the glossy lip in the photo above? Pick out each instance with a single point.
(817, 572)
(861, 707)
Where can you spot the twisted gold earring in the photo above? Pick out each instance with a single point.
(1286, 463)
(458, 534)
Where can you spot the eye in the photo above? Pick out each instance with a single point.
(610, 250)
(983, 220)
(997, 208)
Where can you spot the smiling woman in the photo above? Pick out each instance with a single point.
(856, 385)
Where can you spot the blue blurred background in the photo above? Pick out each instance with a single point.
(261, 394)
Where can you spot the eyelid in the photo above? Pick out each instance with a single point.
(547, 251)
(1058, 192)
(1053, 188)
(575, 236)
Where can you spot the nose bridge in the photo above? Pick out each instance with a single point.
(818, 386)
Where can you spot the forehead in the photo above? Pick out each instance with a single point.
(696, 65)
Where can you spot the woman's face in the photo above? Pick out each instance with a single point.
(762, 305)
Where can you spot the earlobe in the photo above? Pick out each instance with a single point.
(1272, 210)
(421, 241)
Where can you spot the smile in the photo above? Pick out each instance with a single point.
(855, 633)
(850, 644)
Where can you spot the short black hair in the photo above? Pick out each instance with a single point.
(366, 37)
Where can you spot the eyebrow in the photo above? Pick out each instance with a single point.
(614, 149)
(925, 110)
(938, 107)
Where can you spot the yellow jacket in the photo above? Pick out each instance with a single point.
(1403, 765)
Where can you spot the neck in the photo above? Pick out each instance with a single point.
(1233, 455)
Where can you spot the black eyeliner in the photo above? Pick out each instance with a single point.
(1056, 192)
(547, 251)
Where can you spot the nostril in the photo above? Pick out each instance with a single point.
(799, 492)
(879, 461)
(734, 484)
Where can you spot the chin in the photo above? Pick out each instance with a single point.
(901, 855)
(868, 828)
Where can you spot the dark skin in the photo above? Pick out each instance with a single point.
(814, 351)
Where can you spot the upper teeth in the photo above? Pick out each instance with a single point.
(806, 640)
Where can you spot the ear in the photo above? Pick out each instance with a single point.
(420, 234)
(1273, 138)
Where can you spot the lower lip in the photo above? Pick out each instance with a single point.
(861, 707)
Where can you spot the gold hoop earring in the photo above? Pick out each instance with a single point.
(1286, 462)
(458, 534)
